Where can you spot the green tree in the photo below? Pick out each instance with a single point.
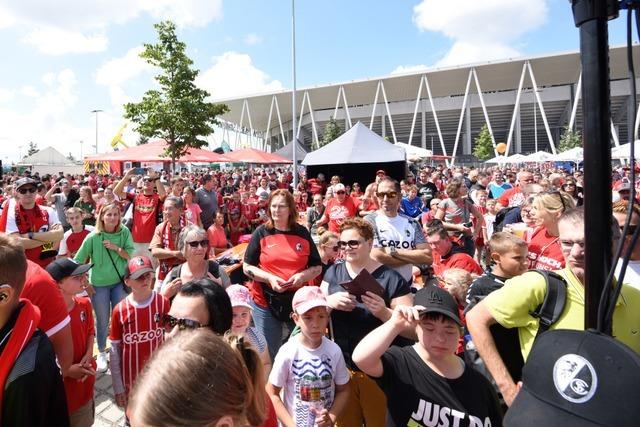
(483, 148)
(569, 139)
(331, 131)
(33, 149)
(177, 111)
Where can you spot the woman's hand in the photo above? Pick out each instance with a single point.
(278, 284)
(375, 304)
(467, 231)
(172, 288)
(110, 245)
(342, 301)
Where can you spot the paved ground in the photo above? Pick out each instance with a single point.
(108, 414)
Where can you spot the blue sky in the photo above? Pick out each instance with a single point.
(65, 58)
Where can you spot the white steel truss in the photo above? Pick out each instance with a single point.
(527, 67)
(245, 107)
(424, 80)
(380, 88)
(267, 132)
(345, 103)
(313, 121)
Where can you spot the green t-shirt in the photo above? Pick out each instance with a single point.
(92, 250)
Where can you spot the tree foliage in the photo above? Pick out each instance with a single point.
(483, 148)
(569, 139)
(331, 131)
(33, 149)
(177, 111)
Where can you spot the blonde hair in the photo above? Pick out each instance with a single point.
(103, 210)
(457, 283)
(502, 242)
(194, 379)
(554, 201)
(325, 235)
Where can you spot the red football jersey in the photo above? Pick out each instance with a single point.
(337, 212)
(42, 291)
(545, 252)
(144, 216)
(71, 241)
(138, 329)
(80, 392)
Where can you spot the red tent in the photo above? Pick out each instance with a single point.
(252, 155)
(154, 152)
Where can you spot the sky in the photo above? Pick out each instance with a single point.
(64, 58)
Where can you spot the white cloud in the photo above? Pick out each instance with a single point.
(252, 39)
(6, 95)
(481, 30)
(116, 72)
(29, 91)
(233, 74)
(402, 69)
(55, 41)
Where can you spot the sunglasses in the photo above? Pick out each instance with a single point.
(389, 194)
(341, 192)
(27, 190)
(196, 243)
(351, 243)
(169, 322)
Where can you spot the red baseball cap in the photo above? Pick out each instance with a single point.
(138, 266)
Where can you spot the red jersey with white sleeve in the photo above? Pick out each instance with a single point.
(512, 197)
(43, 292)
(137, 328)
(72, 241)
(79, 392)
(545, 252)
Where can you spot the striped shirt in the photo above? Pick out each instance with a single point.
(137, 327)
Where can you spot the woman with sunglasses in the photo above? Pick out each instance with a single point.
(199, 304)
(280, 258)
(571, 188)
(108, 248)
(193, 243)
(353, 319)
(545, 251)
(328, 249)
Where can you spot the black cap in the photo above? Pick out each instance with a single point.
(25, 181)
(577, 378)
(65, 267)
(437, 300)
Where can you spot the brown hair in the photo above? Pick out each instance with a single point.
(502, 242)
(324, 235)
(291, 204)
(622, 207)
(194, 379)
(363, 227)
(13, 263)
(100, 218)
(453, 188)
(256, 409)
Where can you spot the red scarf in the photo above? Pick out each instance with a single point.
(168, 243)
(26, 324)
(34, 223)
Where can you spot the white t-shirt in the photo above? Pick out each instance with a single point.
(308, 375)
(632, 274)
(400, 231)
(12, 227)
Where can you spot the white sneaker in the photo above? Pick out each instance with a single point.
(102, 362)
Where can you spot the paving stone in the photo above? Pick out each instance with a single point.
(113, 414)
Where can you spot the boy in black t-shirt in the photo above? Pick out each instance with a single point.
(427, 384)
(509, 255)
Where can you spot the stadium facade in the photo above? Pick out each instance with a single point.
(526, 102)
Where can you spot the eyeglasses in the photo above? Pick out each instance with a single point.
(351, 243)
(27, 190)
(389, 194)
(196, 243)
(341, 192)
(568, 244)
(169, 322)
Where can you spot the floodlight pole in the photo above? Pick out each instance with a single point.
(293, 96)
(96, 113)
(591, 17)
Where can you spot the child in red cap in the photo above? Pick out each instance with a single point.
(136, 327)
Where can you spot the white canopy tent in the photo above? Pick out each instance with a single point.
(573, 155)
(498, 159)
(539, 157)
(415, 153)
(516, 158)
(624, 151)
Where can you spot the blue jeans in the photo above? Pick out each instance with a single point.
(270, 327)
(104, 300)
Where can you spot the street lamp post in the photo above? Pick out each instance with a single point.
(81, 142)
(293, 94)
(96, 113)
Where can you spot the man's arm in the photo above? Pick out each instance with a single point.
(41, 237)
(162, 192)
(49, 194)
(420, 255)
(118, 190)
(479, 320)
(63, 346)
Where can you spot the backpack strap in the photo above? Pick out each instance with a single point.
(554, 301)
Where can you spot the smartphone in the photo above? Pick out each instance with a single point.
(140, 171)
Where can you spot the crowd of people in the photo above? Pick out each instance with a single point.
(383, 302)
